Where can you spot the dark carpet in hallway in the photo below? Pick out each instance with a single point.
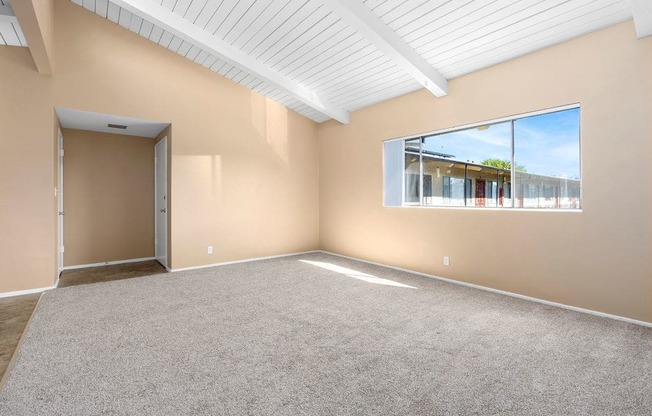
(109, 273)
(14, 315)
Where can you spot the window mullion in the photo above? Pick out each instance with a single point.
(466, 183)
(513, 169)
(421, 172)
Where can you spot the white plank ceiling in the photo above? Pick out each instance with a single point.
(310, 45)
(10, 33)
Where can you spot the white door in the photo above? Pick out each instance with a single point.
(60, 207)
(161, 205)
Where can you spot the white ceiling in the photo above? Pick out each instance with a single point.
(314, 48)
(10, 32)
(87, 120)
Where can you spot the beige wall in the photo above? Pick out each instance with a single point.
(244, 170)
(597, 259)
(108, 197)
(244, 174)
(27, 223)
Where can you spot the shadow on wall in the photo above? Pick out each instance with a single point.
(236, 171)
(270, 120)
(205, 171)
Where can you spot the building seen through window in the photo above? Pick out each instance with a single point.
(526, 162)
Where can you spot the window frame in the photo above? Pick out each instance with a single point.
(511, 119)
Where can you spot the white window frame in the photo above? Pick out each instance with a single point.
(510, 119)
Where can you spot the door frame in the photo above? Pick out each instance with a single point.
(60, 210)
(163, 143)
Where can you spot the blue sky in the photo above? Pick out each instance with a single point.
(547, 144)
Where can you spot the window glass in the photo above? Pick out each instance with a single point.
(524, 162)
(547, 156)
(393, 167)
(412, 171)
(469, 167)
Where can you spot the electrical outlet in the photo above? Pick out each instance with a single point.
(210, 249)
(447, 261)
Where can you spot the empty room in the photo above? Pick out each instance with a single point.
(362, 207)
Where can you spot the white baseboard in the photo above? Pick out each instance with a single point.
(26, 292)
(206, 266)
(108, 263)
(444, 279)
(502, 292)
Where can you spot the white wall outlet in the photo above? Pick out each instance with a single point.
(210, 249)
(447, 261)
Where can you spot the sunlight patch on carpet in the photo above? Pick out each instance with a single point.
(357, 275)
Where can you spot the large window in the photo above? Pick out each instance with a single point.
(530, 161)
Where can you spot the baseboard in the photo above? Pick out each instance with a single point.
(108, 263)
(502, 292)
(26, 292)
(206, 266)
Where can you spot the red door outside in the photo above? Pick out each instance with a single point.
(479, 192)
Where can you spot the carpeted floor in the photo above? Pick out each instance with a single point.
(318, 334)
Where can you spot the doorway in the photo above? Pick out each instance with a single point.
(108, 217)
(161, 202)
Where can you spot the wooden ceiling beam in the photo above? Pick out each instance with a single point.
(371, 27)
(36, 20)
(642, 12)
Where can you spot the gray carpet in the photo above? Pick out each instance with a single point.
(287, 337)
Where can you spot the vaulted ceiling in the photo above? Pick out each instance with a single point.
(326, 58)
(10, 32)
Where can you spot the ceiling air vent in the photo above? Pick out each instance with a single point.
(117, 126)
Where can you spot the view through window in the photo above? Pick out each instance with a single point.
(523, 162)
